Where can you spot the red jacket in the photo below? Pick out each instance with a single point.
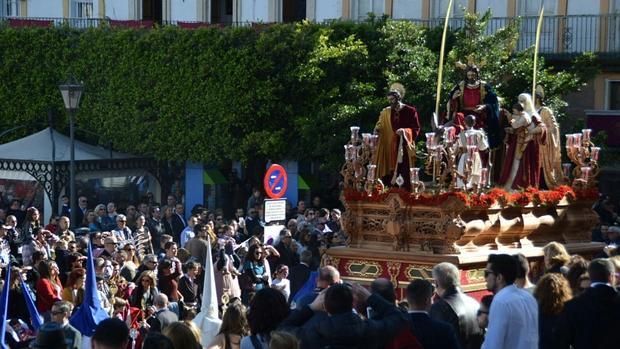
(47, 294)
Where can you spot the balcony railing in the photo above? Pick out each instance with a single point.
(561, 35)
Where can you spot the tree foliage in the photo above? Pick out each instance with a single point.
(285, 91)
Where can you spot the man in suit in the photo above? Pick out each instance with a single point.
(299, 274)
(430, 333)
(592, 319)
(162, 317)
(81, 211)
(454, 306)
(61, 311)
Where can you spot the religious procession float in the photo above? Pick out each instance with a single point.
(495, 184)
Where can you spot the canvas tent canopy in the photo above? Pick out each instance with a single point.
(45, 157)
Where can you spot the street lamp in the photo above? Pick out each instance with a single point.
(71, 94)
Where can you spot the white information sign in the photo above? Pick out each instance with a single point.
(275, 210)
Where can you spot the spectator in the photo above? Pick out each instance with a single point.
(63, 229)
(61, 311)
(48, 288)
(141, 236)
(182, 336)
(173, 225)
(254, 200)
(234, 327)
(32, 222)
(128, 270)
(523, 270)
(267, 309)
(143, 297)
(483, 319)
(300, 273)
(227, 272)
(74, 291)
(577, 275)
(280, 281)
(405, 338)
(198, 245)
(122, 232)
(39, 243)
(188, 233)
(511, 305)
(168, 283)
(328, 276)
(591, 319)
(156, 226)
(16, 210)
(148, 263)
(162, 317)
(109, 247)
(556, 258)
(285, 248)
(552, 292)
(51, 335)
(255, 271)
(283, 340)
(155, 340)
(454, 306)
(432, 334)
(111, 334)
(344, 328)
(188, 286)
(17, 305)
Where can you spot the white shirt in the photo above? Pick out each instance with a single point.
(186, 235)
(282, 285)
(513, 320)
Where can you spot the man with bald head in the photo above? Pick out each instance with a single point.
(328, 276)
(162, 316)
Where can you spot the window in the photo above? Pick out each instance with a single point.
(361, 8)
(532, 7)
(613, 95)
(82, 9)
(10, 8)
(439, 8)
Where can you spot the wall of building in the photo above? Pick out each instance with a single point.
(327, 9)
(407, 9)
(254, 11)
(45, 8)
(118, 9)
(498, 8)
(184, 10)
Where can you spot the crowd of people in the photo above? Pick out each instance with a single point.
(149, 261)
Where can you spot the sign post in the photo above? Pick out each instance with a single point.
(275, 181)
(275, 184)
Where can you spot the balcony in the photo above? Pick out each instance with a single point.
(561, 37)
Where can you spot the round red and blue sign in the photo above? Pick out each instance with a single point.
(275, 181)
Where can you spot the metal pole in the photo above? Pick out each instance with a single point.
(72, 169)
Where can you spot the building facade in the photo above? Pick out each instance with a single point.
(570, 27)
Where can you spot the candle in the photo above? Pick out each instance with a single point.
(470, 139)
(471, 150)
(577, 140)
(594, 152)
(414, 174)
(371, 172)
(484, 175)
(566, 169)
(569, 141)
(585, 173)
(373, 140)
(430, 140)
(449, 131)
(354, 133)
(366, 138)
(586, 134)
(346, 153)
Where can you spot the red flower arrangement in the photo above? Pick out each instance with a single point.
(484, 200)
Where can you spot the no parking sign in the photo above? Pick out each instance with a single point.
(275, 181)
